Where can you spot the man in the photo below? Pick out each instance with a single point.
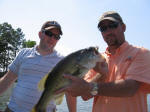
(127, 81)
(29, 67)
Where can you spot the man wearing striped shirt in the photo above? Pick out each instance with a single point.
(30, 65)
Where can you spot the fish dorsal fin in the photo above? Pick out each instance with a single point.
(42, 83)
(59, 98)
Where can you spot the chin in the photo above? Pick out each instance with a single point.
(110, 44)
(51, 47)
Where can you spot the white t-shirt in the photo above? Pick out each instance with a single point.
(30, 67)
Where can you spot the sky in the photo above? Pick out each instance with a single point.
(79, 19)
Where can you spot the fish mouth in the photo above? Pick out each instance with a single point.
(101, 58)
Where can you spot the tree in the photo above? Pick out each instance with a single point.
(11, 41)
(29, 44)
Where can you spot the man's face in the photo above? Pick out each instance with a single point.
(50, 38)
(112, 32)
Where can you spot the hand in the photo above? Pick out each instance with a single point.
(102, 68)
(78, 87)
(86, 97)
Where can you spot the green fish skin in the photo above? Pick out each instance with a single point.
(77, 64)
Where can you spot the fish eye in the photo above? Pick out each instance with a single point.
(96, 52)
(95, 49)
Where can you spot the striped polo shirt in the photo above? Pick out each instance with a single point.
(30, 67)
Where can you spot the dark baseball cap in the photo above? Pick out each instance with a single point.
(50, 25)
(112, 16)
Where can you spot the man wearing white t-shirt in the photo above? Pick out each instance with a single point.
(29, 67)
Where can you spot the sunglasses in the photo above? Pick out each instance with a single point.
(104, 28)
(50, 34)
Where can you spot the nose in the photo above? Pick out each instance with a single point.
(53, 38)
(107, 32)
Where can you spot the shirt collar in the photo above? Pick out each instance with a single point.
(118, 50)
(54, 53)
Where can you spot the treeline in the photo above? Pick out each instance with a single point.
(11, 41)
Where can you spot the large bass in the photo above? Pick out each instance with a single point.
(77, 64)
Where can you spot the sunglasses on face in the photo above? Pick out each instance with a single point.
(50, 34)
(104, 28)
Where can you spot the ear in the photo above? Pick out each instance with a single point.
(124, 27)
(40, 35)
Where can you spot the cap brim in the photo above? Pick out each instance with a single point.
(51, 27)
(109, 18)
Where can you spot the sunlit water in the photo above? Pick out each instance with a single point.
(82, 106)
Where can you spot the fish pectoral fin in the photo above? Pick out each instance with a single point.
(42, 83)
(59, 98)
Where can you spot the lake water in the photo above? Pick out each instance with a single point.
(82, 106)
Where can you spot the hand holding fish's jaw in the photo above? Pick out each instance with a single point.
(102, 68)
(78, 87)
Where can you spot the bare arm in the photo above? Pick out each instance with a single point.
(71, 102)
(6, 81)
(119, 88)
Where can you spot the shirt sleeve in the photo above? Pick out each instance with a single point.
(15, 65)
(139, 69)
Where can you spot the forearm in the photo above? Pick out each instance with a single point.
(71, 102)
(119, 88)
(6, 81)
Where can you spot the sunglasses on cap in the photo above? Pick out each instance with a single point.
(50, 34)
(104, 28)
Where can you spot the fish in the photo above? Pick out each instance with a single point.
(77, 64)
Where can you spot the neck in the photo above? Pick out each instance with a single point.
(112, 49)
(44, 51)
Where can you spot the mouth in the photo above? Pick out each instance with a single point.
(109, 36)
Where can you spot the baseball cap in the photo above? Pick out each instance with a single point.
(112, 16)
(50, 25)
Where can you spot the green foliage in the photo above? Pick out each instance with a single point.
(11, 41)
(29, 44)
